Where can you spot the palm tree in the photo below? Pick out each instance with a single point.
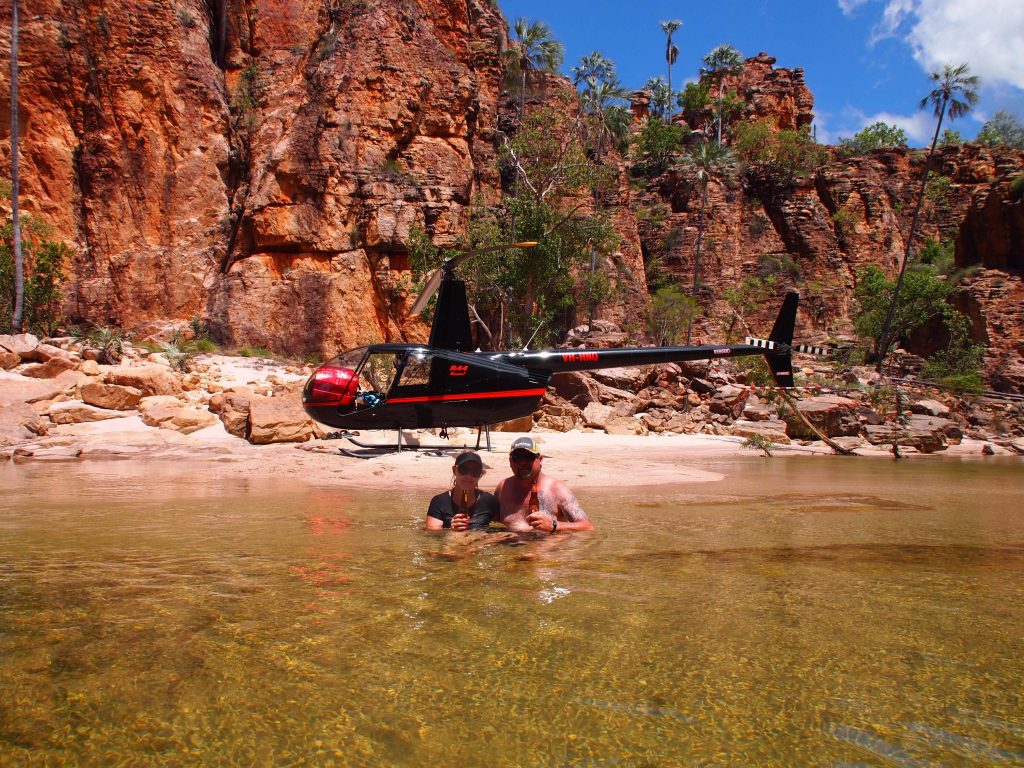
(956, 92)
(671, 53)
(721, 61)
(19, 272)
(533, 48)
(660, 96)
(593, 67)
(710, 161)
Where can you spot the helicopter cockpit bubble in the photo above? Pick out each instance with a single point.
(335, 383)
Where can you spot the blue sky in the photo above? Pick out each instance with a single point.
(864, 60)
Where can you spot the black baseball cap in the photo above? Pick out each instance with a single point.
(466, 456)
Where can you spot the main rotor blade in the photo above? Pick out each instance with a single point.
(428, 290)
(434, 281)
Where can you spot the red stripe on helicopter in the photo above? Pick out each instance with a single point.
(469, 396)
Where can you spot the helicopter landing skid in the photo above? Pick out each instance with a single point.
(376, 449)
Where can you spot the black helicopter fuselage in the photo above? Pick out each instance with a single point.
(411, 386)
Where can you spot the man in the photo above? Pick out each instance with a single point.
(558, 511)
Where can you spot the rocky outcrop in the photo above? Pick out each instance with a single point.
(264, 174)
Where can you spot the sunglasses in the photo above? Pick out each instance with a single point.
(468, 469)
(521, 457)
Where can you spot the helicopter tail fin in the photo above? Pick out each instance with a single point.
(778, 345)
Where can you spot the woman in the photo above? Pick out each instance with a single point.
(465, 506)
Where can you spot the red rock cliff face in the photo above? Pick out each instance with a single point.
(259, 163)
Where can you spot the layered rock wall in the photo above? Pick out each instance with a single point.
(260, 164)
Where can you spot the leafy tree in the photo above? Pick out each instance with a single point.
(722, 61)
(710, 162)
(18, 310)
(925, 297)
(951, 138)
(744, 298)
(525, 296)
(671, 312)
(877, 136)
(958, 366)
(784, 155)
(656, 143)
(533, 48)
(671, 54)
(1003, 129)
(694, 100)
(956, 91)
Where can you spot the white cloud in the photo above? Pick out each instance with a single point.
(918, 126)
(986, 34)
(849, 6)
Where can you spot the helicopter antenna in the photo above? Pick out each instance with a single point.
(527, 344)
(448, 269)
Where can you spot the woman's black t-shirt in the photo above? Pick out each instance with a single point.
(442, 507)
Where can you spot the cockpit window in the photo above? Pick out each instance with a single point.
(378, 372)
(416, 370)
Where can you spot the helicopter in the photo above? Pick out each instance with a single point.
(445, 383)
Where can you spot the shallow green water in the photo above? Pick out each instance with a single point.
(826, 612)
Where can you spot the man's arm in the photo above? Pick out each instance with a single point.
(575, 518)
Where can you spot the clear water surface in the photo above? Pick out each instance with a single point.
(818, 612)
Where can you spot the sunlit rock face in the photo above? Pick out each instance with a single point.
(261, 164)
(262, 168)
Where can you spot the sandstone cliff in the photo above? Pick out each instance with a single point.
(259, 164)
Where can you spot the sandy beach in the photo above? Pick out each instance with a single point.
(582, 459)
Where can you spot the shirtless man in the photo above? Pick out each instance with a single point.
(559, 511)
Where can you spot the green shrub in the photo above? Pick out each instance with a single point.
(877, 136)
(759, 443)
(252, 352)
(44, 261)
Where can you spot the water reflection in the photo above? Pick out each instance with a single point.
(800, 613)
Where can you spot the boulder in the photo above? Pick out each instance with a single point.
(112, 396)
(45, 352)
(624, 425)
(55, 453)
(8, 360)
(169, 413)
(234, 412)
(152, 380)
(774, 430)
(16, 389)
(630, 378)
(20, 422)
(54, 366)
(930, 408)
(90, 368)
(702, 386)
(522, 424)
(597, 415)
(729, 400)
(22, 344)
(576, 387)
(559, 417)
(927, 434)
(278, 420)
(75, 412)
(834, 415)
